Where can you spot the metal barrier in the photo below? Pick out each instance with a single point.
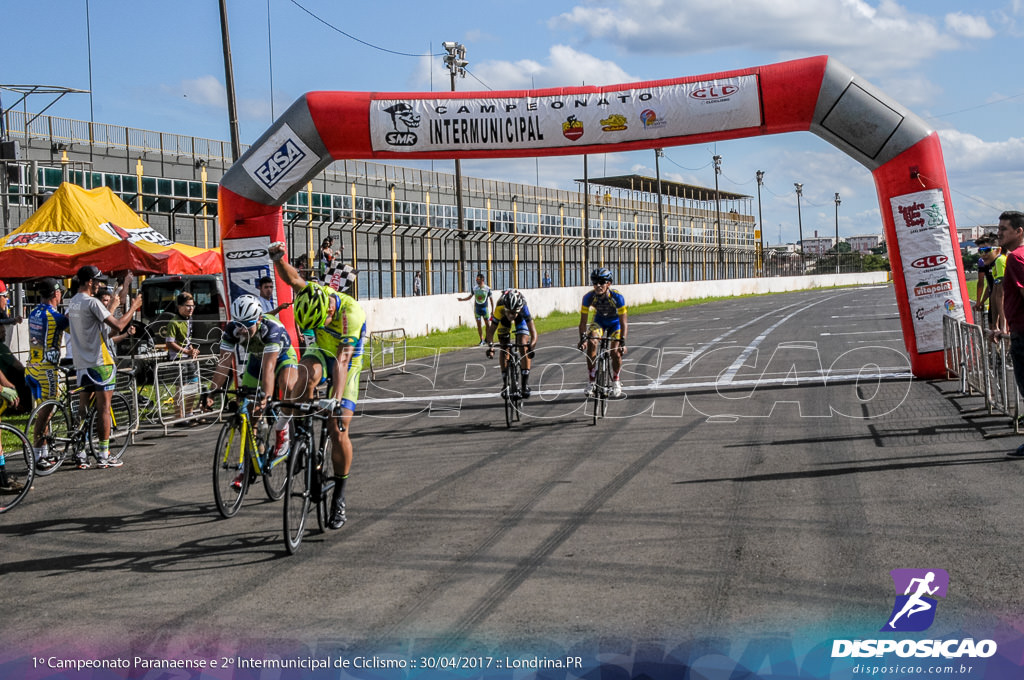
(387, 351)
(173, 394)
(983, 366)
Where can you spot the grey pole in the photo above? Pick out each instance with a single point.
(229, 81)
(800, 224)
(760, 222)
(456, 62)
(838, 201)
(718, 218)
(661, 217)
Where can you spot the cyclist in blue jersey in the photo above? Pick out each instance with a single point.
(512, 316)
(46, 327)
(262, 343)
(609, 319)
(481, 296)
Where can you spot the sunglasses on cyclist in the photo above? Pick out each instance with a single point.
(984, 249)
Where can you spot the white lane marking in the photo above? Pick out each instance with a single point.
(731, 372)
(825, 376)
(696, 353)
(861, 332)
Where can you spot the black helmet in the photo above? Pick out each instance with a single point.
(512, 300)
(602, 275)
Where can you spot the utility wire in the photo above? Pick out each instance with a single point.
(478, 80)
(362, 42)
(666, 157)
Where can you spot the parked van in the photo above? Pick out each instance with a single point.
(159, 294)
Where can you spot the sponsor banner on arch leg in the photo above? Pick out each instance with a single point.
(928, 263)
(246, 261)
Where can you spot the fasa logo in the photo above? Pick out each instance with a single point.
(714, 92)
(916, 590)
(929, 261)
(245, 254)
(286, 157)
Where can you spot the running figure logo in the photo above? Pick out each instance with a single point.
(914, 609)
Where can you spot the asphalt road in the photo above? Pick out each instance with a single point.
(749, 483)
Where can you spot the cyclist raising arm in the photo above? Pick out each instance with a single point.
(271, 359)
(609, 319)
(511, 313)
(338, 325)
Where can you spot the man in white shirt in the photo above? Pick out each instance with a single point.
(94, 359)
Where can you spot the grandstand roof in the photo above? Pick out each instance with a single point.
(668, 187)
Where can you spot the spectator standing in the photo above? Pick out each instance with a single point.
(46, 328)
(266, 297)
(417, 284)
(94, 360)
(482, 302)
(325, 257)
(12, 369)
(1011, 239)
(178, 336)
(547, 280)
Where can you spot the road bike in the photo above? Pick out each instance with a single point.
(511, 393)
(245, 451)
(17, 466)
(602, 388)
(69, 434)
(310, 468)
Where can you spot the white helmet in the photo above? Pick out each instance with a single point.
(246, 309)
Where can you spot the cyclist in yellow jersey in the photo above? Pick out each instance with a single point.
(338, 325)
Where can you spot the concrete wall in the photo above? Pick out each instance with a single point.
(421, 315)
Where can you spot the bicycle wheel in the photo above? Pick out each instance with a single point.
(605, 384)
(324, 481)
(297, 495)
(56, 436)
(275, 470)
(122, 424)
(230, 469)
(17, 467)
(508, 386)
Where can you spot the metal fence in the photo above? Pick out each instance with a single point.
(982, 366)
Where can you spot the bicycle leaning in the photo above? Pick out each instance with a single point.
(67, 433)
(244, 452)
(310, 468)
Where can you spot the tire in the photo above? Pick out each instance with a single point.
(297, 495)
(275, 472)
(122, 424)
(229, 460)
(606, 385)
(19, 466)
(57, 437)
(324, 479)
(510, 408)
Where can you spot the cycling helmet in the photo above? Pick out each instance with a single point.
(311, 307)
(602, 275)
(512, 300)
(246, 309)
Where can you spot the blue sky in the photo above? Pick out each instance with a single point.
(158, 66)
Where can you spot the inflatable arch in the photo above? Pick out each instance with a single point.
(817, 94)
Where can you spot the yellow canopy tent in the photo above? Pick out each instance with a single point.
(77, 226)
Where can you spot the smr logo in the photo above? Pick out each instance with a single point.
(914, 609)
(403, 119)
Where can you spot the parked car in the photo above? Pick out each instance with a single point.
(159, 306)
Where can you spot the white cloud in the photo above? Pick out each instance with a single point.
(968, 26)
(205, 91)
(564, 67)
(870, 38)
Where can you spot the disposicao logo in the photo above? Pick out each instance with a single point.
(916, 590)
(913, 611)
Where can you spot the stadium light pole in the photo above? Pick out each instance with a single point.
(800, 225)
(838, 201)
(718, 218)
(760, 224)
(229, 83)
(456, 62)
(661, 216)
